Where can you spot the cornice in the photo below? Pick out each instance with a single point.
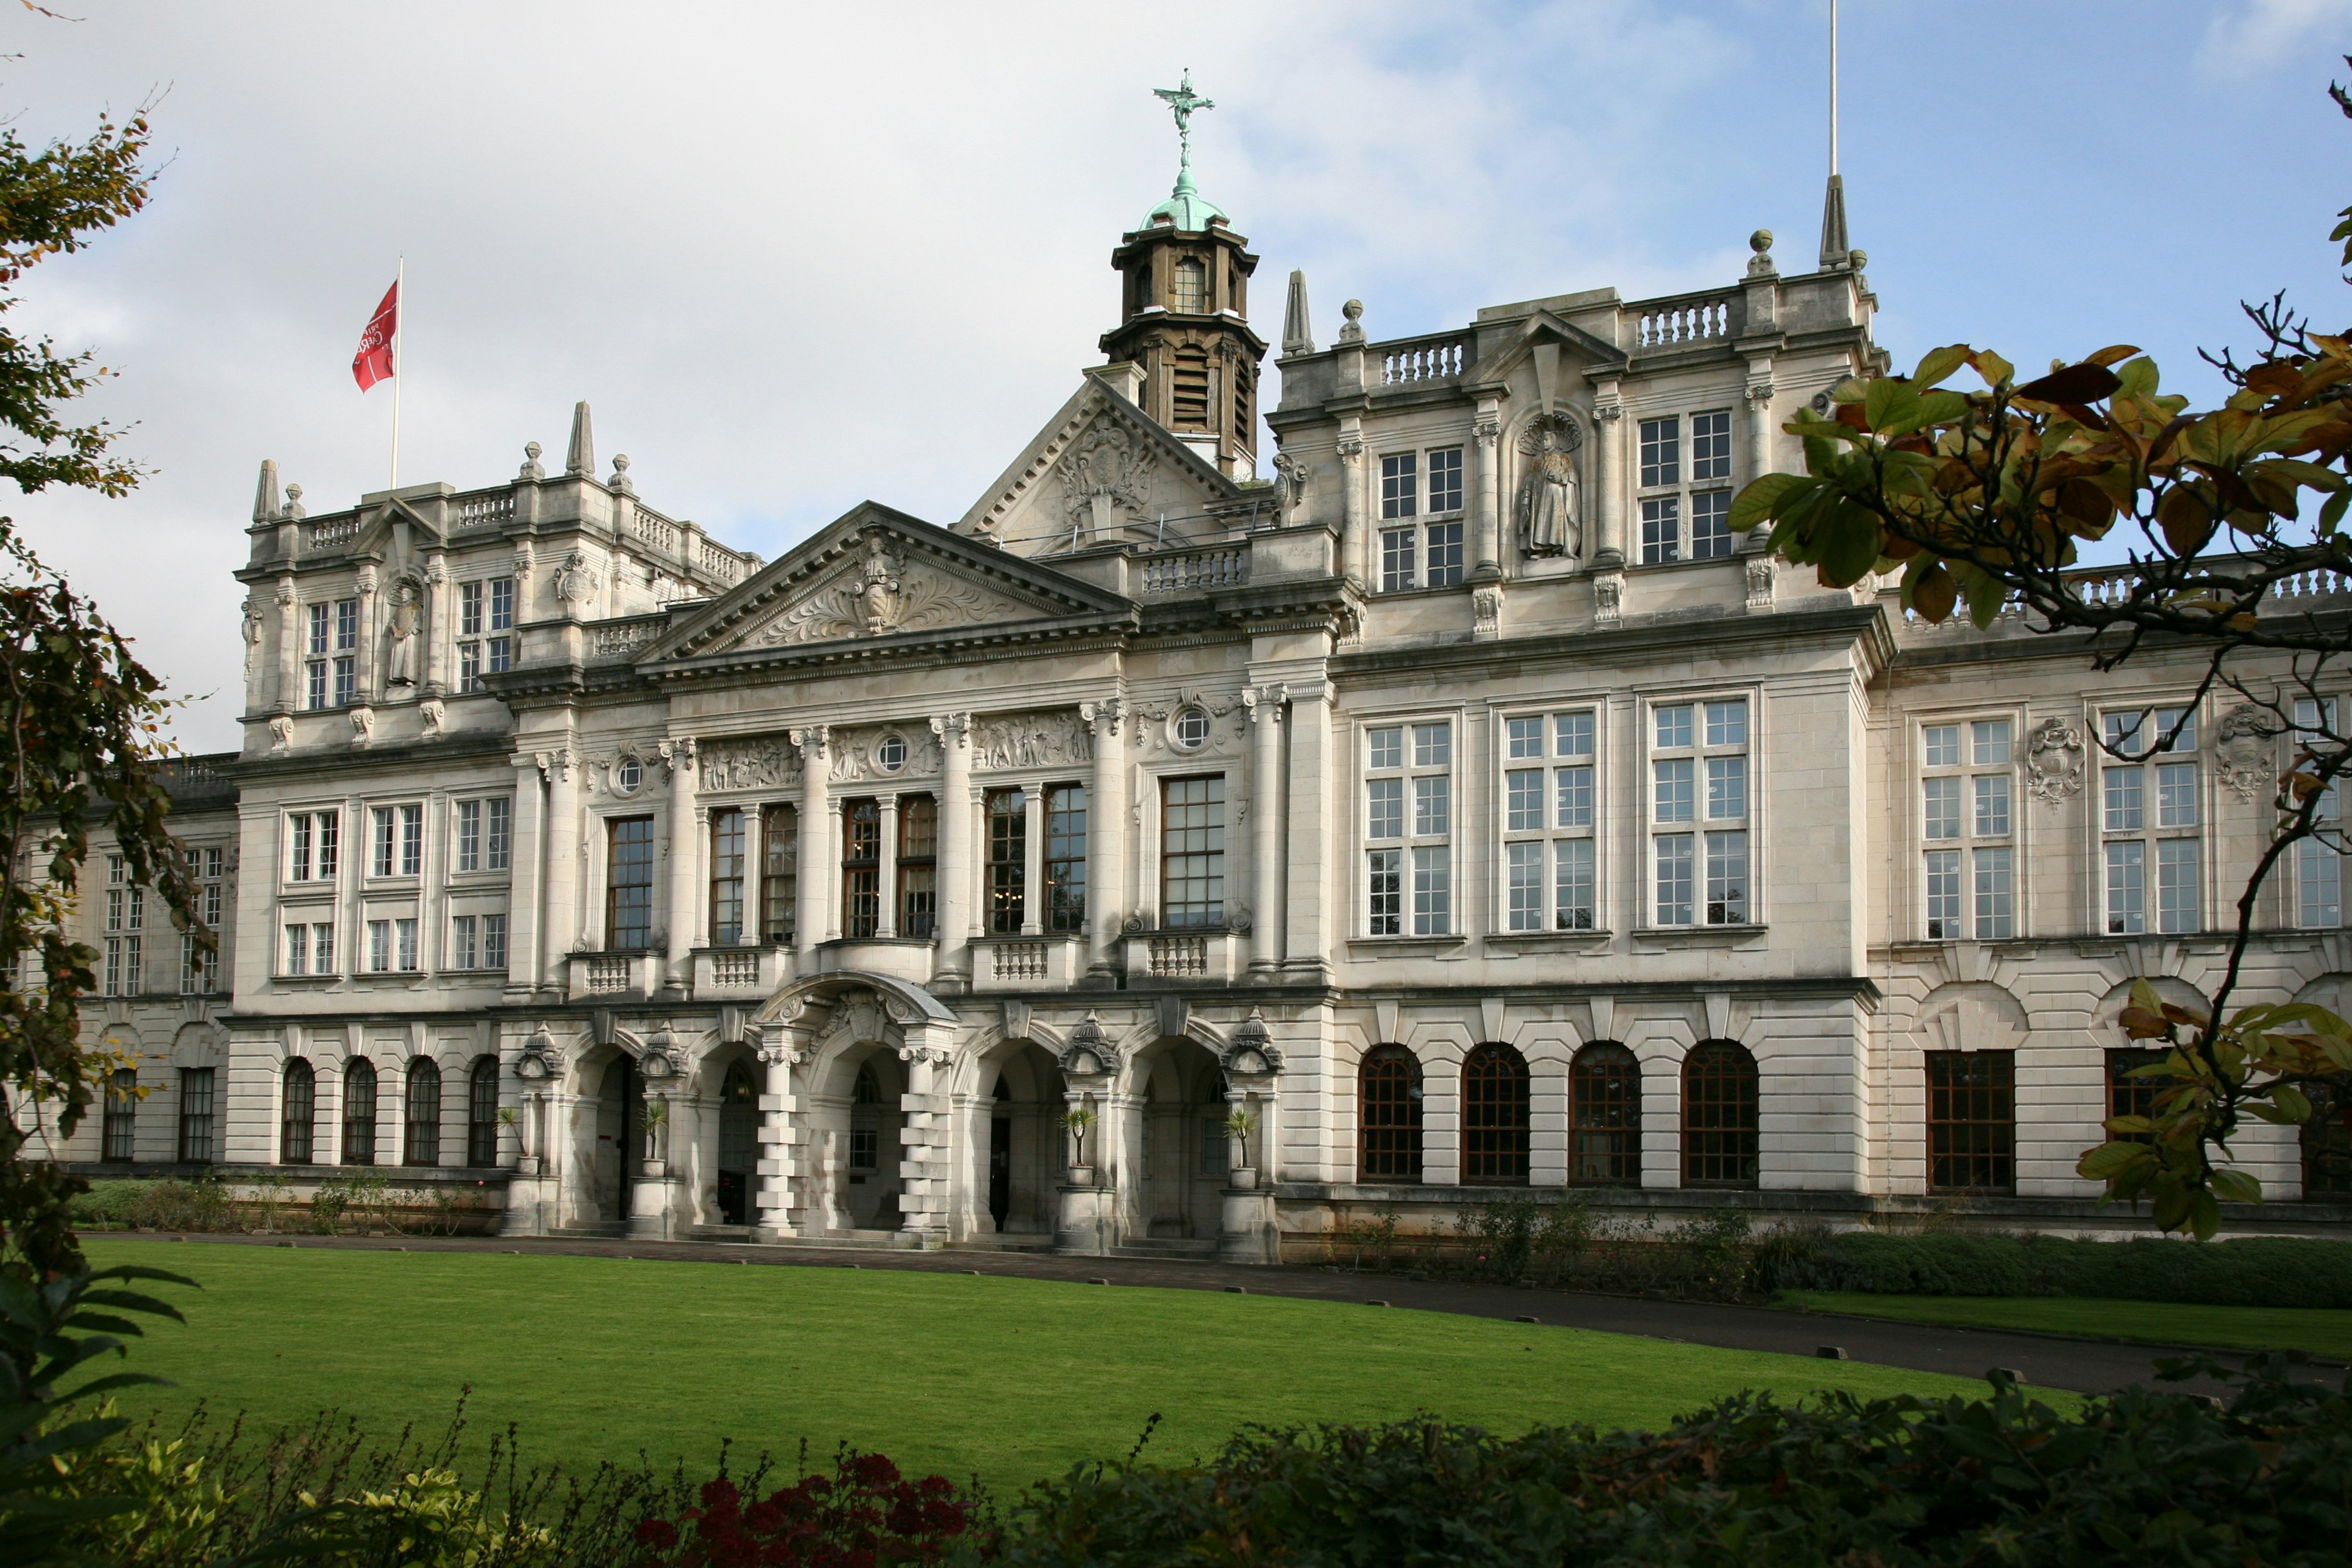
(1636, 637)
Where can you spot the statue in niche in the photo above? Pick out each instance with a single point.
(879, 607)
(407, 616)
(1550, 522)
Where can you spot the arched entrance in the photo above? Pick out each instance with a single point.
(617, 1111)
(1181, 1150)
(855, 1114)
(1019, 1137)
(739, 1142)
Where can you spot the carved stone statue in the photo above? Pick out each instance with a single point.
(251, 631)
(878, 605)
(1549, 521)
(407, 615)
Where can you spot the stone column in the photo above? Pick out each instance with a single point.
(290, 649)
(1033, 860)
(1265, 704)
(816, 764)
(435, 632)
(1486, 434)
(886, 876)
(1609, 474)
(685, 859)
(526, 856)
(953, 967)
(1105, 841)
(1355, 546)
(560, 917)
(1314, 824)
(925, 1166)
(776, 1200)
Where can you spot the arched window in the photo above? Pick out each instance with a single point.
(424, 1144)
(122, 1124)
(2328, 1144)
(359, 1112)
(1388, 1116)
(1604, 1116)
(482, 1113)
(1719, 1115)
(297, 1114)
(1495, 1117)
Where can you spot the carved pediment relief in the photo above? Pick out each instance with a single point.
(1031, 740)
(1099, 473)
(755, 762)
(880, 592)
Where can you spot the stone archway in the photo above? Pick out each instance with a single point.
(1176, 1105)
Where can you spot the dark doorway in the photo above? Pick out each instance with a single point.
(999, 1170)
(620, 1135)
(739, 1142)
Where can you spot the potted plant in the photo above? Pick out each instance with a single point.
(657, 1119)
(1077, 1118)
(1239, 1125)
(512, 1119)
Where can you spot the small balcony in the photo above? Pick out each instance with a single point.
(745, 972)
(1027, 963)
(1208, 957)
(613, 975)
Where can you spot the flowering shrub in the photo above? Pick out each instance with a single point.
(864, 1515)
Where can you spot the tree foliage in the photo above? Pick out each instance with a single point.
(83, 744)
(1984, 500)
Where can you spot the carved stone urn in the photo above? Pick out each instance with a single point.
(1244, 1178)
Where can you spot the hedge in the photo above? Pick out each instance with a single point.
(2146, 1476)
(2255, 1272)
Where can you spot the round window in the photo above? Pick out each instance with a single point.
(1191, 729)
(628, 775)
(891, 753)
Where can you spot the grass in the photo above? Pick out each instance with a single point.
(2321, 1331)
(1010, 1379)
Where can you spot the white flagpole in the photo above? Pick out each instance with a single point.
(399, 337)
(1833, 90)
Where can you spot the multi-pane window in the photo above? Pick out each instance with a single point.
(628, 883)
(1388, 1116)
(2319, 860)
(313, 846)
(1192, 851)
(298, 1114)
(726, 849)
(918, 867)
(316, 647)
(1007, 817)
(1685, 521)
(1604, 1116)
(309, 947)
(1549, 854)
(1066, 857)
(392, 946)
(2129, 1094)
(2149, 819)
(861, 869)
(359, 1112)
(780, 866)
(1496, 1119)
(1972, 1122)
(199, 970)
(1409, 829)
(485, 835)
(396, 840)
(1967, 823)
(1698, 813)
(126, 918)
(422, 1146)
(347, 642)
(1720, 1102)
(121, 1125)
(477, 941)
(486, 615)
(330, 666)
(482, 1114)
(1416, 554)
(198, 1143)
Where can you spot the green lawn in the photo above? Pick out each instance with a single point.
(2321, 1331)
(1012, 1379)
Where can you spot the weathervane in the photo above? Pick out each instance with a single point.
(1186, 103)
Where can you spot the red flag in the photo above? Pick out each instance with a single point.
(375, 361)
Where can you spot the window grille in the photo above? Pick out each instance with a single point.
(1604, 1107)
(1972, 1122)
(1719, 1115)
(1968, 826)
(1495, 1117)
(122, 1124)
(727, 850)
(861, 870)
(423, 1146)
(1388, 1116)
(2148, 817)
(917, 892)
(1008, 861)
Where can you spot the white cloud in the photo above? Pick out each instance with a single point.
(2245, 39)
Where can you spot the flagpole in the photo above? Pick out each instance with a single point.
(400, 332)
(1834, 97)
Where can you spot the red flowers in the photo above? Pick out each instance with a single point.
(864, 1515)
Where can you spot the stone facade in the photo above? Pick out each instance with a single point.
(1466, 806)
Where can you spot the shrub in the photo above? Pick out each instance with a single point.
(2145, 1475)
(197, 1204)
(2265, 1271)
(865, 1512)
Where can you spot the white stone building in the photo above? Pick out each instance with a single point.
(1466, 804)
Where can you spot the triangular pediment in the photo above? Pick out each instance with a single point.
(1578, 346)
(878, 575)
(1101, 472)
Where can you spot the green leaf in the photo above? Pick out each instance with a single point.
(2292, 1102)
(2138, 378)
(1937, 363)
(2109, 1161)
(1853, 389)
(1886, 404)
(1943, 407)
(1764, 496)
(1986, 594)
(2204, 1215)
(1993, 367)
(1849, 540)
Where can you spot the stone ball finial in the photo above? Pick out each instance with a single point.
(1760, 241)
(1861, 258)
(293, 493)
(1352, 310)
(531, 450)
(620, 462)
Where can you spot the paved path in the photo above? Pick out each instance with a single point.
(2050, 1361)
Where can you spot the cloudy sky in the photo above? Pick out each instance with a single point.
(800, 255)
